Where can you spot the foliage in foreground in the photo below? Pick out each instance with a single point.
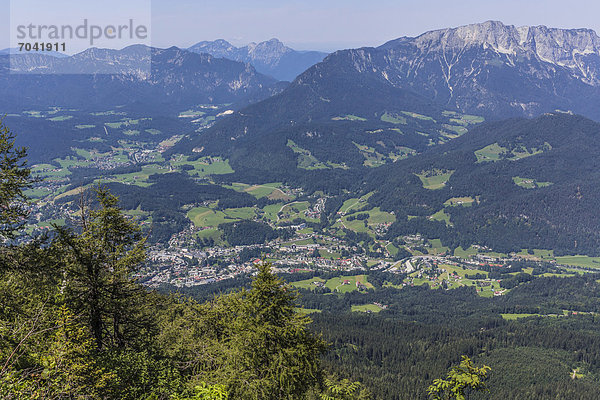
(460, 380)
(74, 324)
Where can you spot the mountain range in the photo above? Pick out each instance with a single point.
(491, 70)
(149, 77)
(270, 57)
(385, 121)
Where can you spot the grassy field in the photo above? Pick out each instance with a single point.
(207, 217)
(457, 130)
(512, 317)
(204, 166)
(456, 277)
(270, 190)
(465, 253)
(437, 247)
(366, 308)
(463, 119)
(494, 152)
(349, 117)
(260, 191)
(435, 179)
(354, 203)
(38, 193)
(441, 216)
(49, 223)
(580, 261)
(270, 211)
(529, 183)
(401, 153)
(490, 153)
(376, 217)
(393, 250)
(139, 178)
(462, 272)
(293, 210)
(328, 254)
(459, 201)
(49, 171)
(307, 283)
(204, 217)
(310, 162)
(518, 154)
(212, 233)
(418, 116)
(393, 118)
(305, 158)
(537, 253)
(298, 242)
(335, 284)
(240, 213)
(372, 157)
(61, 118)
(191, 114)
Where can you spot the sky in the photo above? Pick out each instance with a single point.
(324, 25)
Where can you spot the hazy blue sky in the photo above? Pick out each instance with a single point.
(325, 24)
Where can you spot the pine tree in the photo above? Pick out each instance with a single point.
(70, 367)
(253, 341)
(99, 264)
(275, 349)
(15, 177)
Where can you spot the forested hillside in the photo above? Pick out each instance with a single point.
(523, 184)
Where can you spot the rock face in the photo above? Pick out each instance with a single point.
(176, 77)
(561, 47)
(271, 57)
(490, 68)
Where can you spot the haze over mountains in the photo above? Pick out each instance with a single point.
(175, 78)
(270, 57)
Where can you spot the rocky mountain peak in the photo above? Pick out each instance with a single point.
(564, 47)
(217, 48)
(270, 57)
(268, 52)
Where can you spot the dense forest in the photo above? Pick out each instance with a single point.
(546, 354)
(488, 165)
